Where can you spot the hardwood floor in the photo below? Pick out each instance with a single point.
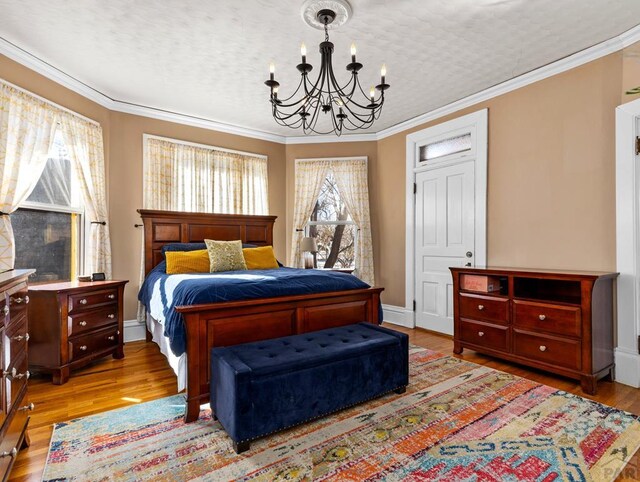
(144, 375)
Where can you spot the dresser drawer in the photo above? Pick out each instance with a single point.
(484, 334)
(562, 320)
(15, 381)
(561, 352)
(88, 321)
(12, 435)
(15, 342)
(18, 299)
(87, 345)
(484, 308)
(90, 299)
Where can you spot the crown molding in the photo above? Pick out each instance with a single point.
(567, 63)
(318, 139)
(38, 65)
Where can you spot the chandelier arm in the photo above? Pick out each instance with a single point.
(314, 114)
(294, 93)
(336, 84)
(356, 114)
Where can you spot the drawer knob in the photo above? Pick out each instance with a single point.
(26, 337)
(543, 348)
(481, 307)
(29, 407)
(481, 333)
(83, 347)
(19, 376)
(111, 316)
(111, 296)
(83, 301)
(542, 317)
(11, 453)
(5, 310)
(83, 323)
(112, 337)
(19, 300)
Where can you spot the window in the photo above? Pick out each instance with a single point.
(332, 226)
(446, 147)
(49, 227)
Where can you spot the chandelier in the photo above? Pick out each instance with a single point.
(348, 106)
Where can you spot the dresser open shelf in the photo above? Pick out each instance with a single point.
(560, 321)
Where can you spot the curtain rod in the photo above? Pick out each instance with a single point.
(49, 102)
(202, 146)
(354, 158)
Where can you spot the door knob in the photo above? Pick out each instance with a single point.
(469, 254)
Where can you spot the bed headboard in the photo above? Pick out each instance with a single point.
(163, 227)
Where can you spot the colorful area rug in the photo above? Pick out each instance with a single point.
(458, 421)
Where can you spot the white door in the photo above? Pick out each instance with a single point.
(444, 237)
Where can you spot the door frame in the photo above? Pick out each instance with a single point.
(627, 358)
(478, 124)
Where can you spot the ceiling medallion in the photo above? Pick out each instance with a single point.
(348, 106)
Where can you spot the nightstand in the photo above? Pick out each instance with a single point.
(74, 323)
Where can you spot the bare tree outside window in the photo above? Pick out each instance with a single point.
(333, 228)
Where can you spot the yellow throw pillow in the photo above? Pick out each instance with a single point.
(225, 255)
(260, 258)
(180, 262)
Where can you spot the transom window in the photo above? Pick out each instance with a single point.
(446, 147)
(334, 230)
(49, 227)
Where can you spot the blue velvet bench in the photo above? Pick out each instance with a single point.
(262, 387)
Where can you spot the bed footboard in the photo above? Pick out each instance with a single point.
(231, 323)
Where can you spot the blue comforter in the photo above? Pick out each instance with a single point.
(161, 293)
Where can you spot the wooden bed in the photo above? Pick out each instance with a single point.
(229, 323)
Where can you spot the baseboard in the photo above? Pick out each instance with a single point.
(134, 331)
(397, 315)
(627, 367)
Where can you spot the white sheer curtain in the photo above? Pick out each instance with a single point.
(26, 133)
(351, 177)
(352, 180)
(83, 141)
(309, 178)
(181, 176)
(186, 177)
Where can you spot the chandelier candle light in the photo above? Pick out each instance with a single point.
(348, 106)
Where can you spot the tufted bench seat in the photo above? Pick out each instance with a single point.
(266, 386)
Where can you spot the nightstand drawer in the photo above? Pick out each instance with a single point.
(90, 299)
(484, 334)
(484, 308)
(88, 345)
(562, 320)
(562, 352)
(88, 321)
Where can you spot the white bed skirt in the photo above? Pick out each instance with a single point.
(177, 363)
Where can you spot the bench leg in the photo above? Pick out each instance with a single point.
(400, 390)
(240, 447)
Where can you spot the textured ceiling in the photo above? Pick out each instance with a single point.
(210, 58)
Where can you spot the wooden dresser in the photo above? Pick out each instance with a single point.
(74, 323)
(558, 321)
(14, 408)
